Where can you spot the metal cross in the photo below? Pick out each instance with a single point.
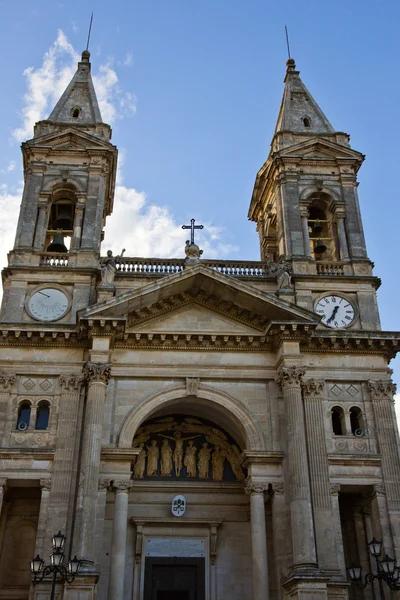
(192, 227)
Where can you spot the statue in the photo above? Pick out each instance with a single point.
(217, 460)
(192, 252)
(152, 458)
(166, 458)
(283, 275)
(233, 459)
(139, 466)
(108, 267)
(178, 452)
(190, 459)
(204, 461)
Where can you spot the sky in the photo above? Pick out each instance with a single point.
(192, 91)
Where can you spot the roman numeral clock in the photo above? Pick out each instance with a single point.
(336, 311)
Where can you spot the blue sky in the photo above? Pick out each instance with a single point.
(193, 92)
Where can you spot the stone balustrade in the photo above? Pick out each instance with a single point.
(330, 268)
(54, 259)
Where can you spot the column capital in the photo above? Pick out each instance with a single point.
(334, 488)
(104, 484)
(71, 382)
(278, 488)
(290, 377)
(124, 485)
(3, 484)
(313, 387)
(381, 389)
(6, 381)
(45, 484)
(97, 372)
(379, 489)
(255, 487)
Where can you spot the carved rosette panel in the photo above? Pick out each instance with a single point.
(97, 372)
(71, 383)
(183, 447)
(382, 389)
(255, 487)
(290, 377)
(313, 388)
(6, 382)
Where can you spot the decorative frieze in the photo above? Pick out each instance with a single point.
(97, 372)
(382, 389)
(290, 377)
(71, 382)
(123, 485)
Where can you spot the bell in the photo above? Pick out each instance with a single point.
(320, 248)
(317, 227)
(64, 218)
(57, 245)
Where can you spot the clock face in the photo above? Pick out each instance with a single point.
(48, 304)
(336, 312)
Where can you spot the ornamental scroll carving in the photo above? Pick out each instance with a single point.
(290, 377)
(255, 487)
(182, 447)
(103, 484)
(72, 382)
(334, 488)
(382, 389)
(97, 372)
(45, 484)
(379, 489)
(123, 485)
(6, 381)
(313, 387)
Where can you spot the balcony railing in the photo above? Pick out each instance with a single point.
(53, 259)
(329, 268)
(167, 266)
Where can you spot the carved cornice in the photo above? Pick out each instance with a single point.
(26, 454)
(6, 381)
(119, 453)
(381, 389)
(260, 457)
(354, 461)
(290, 377)
(313, 387)
(252, 486)
(122, 485)
(352, 342)
(97, 372)
(71, 382)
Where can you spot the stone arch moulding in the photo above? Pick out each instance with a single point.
(252, 432)
(52, 182)
(306, 193)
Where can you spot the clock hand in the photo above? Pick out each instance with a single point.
(333, 315)
(43, 294)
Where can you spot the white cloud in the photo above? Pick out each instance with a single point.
(146, 229)
(9, 205)
(128, 60)
(11, 166)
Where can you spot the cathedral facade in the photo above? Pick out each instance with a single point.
(196, 429)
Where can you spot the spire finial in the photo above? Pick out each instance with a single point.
(287, 42)
(90, 31)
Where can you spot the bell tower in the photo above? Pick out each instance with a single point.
(69, 180)
(306, 207)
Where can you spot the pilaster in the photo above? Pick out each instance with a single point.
(6, 383)
(256, 489)
(118, 544)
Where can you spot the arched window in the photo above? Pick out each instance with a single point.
(356, 421)
(42, 416)
(75, 113)
(24, 416)
(322, 229)
(337, 416)
(306, 122)
(61, 218)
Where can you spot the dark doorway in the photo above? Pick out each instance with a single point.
(174, 579)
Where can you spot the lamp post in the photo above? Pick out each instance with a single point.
(60, 573)
(387, 570)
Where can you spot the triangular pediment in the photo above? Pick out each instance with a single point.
(321, 148)
(203, 293)
(70, 138)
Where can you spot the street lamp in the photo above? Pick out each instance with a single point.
(387, 570)
(60, 573)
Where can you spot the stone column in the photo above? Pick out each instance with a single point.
(343, 247)
(118, 544)
(313, 392)
(381, 517)
(306, 235)
(382, 392)
(77, 226)
(41, 224)
(97, 376)
(64, 469)
(303, 538)
(258, 539)
(3, 489)
(280, 528)
(335, 489)
(43, 536)
(6, 382)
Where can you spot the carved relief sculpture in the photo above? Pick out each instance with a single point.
(217, 460)
(152, 458)
(166, 458)
(190, 459)
(204, 461)
(140, 464)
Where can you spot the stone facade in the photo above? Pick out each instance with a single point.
(217, 381)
